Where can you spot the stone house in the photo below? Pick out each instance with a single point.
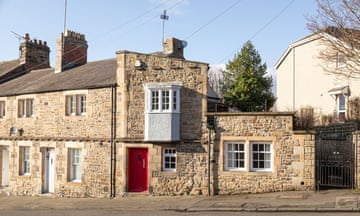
(139, 123)
(127, 124)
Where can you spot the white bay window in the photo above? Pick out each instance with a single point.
(162, 111)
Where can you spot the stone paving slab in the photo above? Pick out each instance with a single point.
(323, 201)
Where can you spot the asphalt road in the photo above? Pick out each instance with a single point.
(95, 212)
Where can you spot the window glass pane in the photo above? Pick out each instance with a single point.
(174, 100)
(267, 156)
(2, 108)
(255, 147)
(341, 103)
(242, 164)
(236, 147)
(25, 160)
(169, 159)
(29, 107)
(154, 100)
(261, 164)
(235, 155)
(73, 104)
(261, 156)
(75, 164)
(267, 147)
(165, 100)
(260, 147)
(267, 164)
(241, 147)
(82, 104)
(21, 108)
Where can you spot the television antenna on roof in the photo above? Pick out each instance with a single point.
(163, 17)
(19, 37)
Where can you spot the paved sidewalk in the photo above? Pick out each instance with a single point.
(329, 200)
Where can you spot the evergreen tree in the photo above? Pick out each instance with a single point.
(246, 87)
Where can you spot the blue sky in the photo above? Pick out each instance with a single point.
(214, 29)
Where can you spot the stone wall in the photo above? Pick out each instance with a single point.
(292, 154)
(49, 119)
(190, 177)
(157, 69)
(95, 168)
(50, 127)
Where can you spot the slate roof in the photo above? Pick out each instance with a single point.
(91, 75)
(6, 66)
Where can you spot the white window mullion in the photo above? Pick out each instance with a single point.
(160, 100)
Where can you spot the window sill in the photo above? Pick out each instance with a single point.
(75, 181)
(169, 173)
(246, 172)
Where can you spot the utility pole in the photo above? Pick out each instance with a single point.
(163, 17)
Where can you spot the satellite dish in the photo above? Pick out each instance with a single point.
(183, 43)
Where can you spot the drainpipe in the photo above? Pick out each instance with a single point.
(210, 126)
(209, 182)
(113, 143)
(356, 159)
(293, 78)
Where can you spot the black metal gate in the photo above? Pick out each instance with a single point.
(334, 155)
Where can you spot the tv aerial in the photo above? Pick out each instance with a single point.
(19, 37)
(164, 17)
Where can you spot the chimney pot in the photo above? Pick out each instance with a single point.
(27, 37)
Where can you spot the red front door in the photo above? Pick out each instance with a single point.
(137, 169)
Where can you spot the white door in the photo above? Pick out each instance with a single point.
(49, 171)
(5, 166)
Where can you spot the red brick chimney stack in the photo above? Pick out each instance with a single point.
(71, 50)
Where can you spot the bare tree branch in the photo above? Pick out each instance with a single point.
(338, 21)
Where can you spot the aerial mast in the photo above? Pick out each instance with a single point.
(163, 17)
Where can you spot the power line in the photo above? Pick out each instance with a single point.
(213, 19)
(135, 27)
(138, 17)
(263, 27)
(132, 20)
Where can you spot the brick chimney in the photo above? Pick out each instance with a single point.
(174, 47)
(71, 50)
(34, 53)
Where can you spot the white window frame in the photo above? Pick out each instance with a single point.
(75, 105)
(25, 160)
(25, 107)
(75, 164)
(163, 100)
(2, 109)
(163, 97)
(266, 159)
(235, 156)
(81, 99)
(341, 60)
(341, 107)
(169, 159)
